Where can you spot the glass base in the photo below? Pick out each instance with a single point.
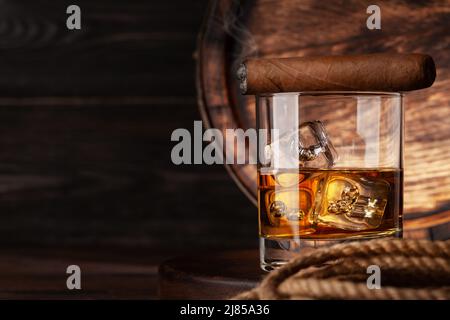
(274, 253)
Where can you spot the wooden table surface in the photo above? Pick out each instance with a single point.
(210, 275)
(106, 273)
(125, 273)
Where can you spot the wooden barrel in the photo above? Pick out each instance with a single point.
(235, 29)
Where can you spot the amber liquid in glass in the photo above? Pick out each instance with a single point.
(330, 203)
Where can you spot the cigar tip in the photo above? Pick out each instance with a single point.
(242, 77)
(429, 70)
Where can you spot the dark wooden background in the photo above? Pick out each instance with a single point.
(85, 171)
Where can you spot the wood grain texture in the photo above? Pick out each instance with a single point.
(102, 174)
(210, 275)
(234, 31)
(124, 48)
(85, 124)
(106, 272)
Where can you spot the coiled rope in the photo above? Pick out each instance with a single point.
(410, 269)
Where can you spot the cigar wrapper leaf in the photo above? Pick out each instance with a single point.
(372, 72)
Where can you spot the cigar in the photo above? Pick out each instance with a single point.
(388, 72)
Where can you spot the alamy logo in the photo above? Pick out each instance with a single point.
(374, 20)
(74, 280)
(74, 20)
(374, 280)
(241, 146)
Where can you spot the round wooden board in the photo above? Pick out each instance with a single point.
(209, 276)
(234, 30)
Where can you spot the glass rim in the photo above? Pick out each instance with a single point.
(334, 93)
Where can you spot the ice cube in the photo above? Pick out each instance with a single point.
(313, 146)
(353, 204)
(288, 205)
(308, 146)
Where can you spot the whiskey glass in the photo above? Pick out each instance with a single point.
(330, 170)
